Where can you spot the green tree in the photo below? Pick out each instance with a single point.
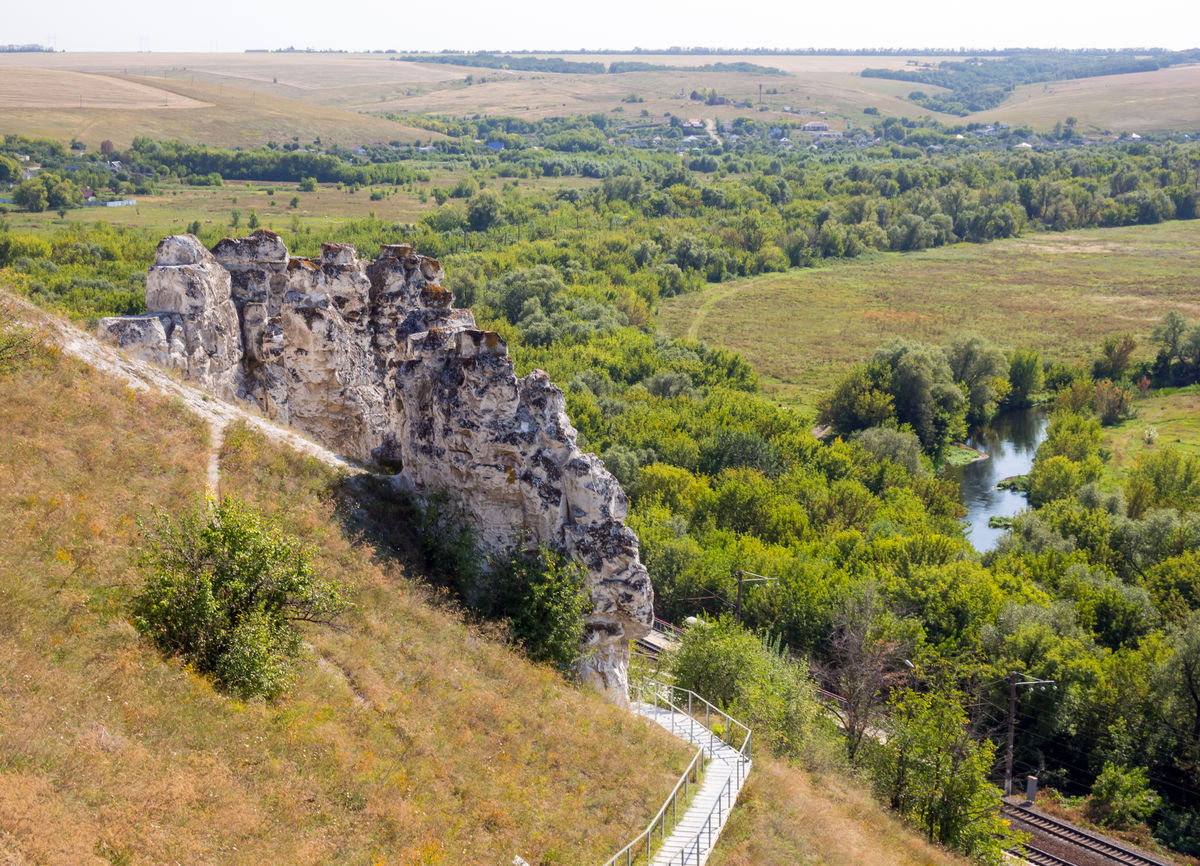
(901, 447)
(484, 210)
(1115, 355)
(932, 772)
(543, 597)
(751, 678)
(1164, 478)
(224, 588)
(981, 368)
(1024, 378)
(926, 396)
(32, 195)
(510, 292)
(1169, 334)
(861, 399)
(1054, 478)
(1177, 696)
(253, 222)
(10, 170)
(308, 184)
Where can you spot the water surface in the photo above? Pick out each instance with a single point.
(1010, 442)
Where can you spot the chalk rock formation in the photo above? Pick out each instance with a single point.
(373, 360)
(193, 324)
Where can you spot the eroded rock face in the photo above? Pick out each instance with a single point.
(373, 360)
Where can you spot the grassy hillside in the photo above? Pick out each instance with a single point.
(789, 815)
(1058, 293)
(121, 98)
(1138, 102)
(411, 737)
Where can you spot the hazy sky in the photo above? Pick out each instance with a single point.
(134, 25)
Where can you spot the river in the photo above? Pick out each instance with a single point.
(1010, 442)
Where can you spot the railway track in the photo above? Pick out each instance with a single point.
(1038, 857)
(1073, 835)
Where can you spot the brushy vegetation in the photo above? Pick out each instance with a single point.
(224, 590)
(751, 679)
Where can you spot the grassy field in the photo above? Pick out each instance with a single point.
(1174, 413)
(1058, 293)
(175, 207)
(249, 99)
(1138, 102)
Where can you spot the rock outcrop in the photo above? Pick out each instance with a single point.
(373, 360)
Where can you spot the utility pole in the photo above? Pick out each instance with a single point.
(741, 578)
(1012, 719)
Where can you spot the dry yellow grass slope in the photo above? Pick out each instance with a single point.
(786, 816)
(410, 738)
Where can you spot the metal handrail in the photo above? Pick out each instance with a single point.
(667, 628)
(694, 701)
(692, 849)
(658, 823)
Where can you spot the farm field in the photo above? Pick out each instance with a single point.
(123, 97)
(1058, 293)
(250, 99)
(1166, 99)
(283, 88)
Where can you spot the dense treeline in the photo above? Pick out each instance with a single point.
(557, 64)
(976, 85)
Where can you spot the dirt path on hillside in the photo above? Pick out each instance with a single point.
(143, 375)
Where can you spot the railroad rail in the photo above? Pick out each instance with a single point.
(1080, 838)
(1038, 857)
(662, 636)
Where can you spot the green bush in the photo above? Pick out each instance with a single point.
(543, 596)
(224, 589)
(540, 594)
(1121, 796)
(752, 679)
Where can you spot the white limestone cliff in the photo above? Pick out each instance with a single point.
(373, 360)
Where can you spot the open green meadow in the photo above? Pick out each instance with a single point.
(174, 207)
(1058, 293)
(1173, 416)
